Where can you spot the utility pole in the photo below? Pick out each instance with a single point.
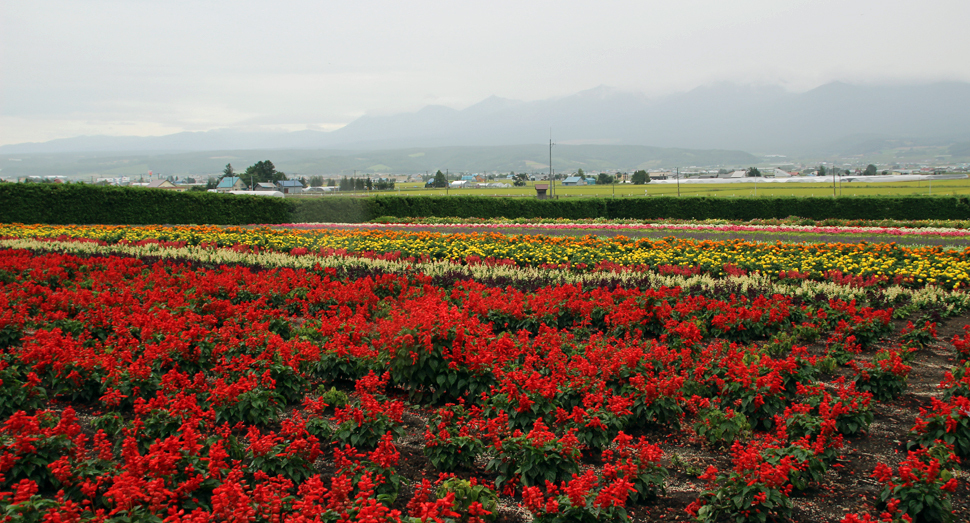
(552, 182)
(840, 180)
(678, 182)
(447, 181)
(833, 180)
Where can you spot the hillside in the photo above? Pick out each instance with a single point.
(519, 158)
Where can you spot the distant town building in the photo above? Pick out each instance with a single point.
(165, 184)
(319, 190)
(290, 186)
(230, 183)
(574, 180)
(119, 180)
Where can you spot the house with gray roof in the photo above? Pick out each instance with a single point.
(290, 186)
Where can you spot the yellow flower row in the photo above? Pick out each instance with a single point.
(919, 266)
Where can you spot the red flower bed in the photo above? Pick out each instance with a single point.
(200, 392)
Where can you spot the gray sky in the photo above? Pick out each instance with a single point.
(151, 67)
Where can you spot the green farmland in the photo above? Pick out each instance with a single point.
(727, 190)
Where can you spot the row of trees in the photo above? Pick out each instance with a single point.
(871, 170)
(259, 172)
(439, 179)
(265, 172)
(639, 177)
(365, 184)
(317, 181)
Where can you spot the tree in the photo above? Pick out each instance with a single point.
(753, 171)
(331, 182)
(581, 174)
(871, 170)
(822, 171)
(211, 183)
(640, 177)
(604, 179)
(316, 181)
(439, 179)
(263, 172)
(228, 171)
(369, 184)
(520, 179)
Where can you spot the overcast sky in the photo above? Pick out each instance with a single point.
(151, 67)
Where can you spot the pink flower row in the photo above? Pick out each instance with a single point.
(891, 231)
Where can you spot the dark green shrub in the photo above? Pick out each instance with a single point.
(89, 204)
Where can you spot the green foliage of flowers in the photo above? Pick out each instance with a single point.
(947, 422)
(754, 490)
(884, 377)
(536, 457)
(468, 494)
(452, 439)
(721, 428)
(920, 487)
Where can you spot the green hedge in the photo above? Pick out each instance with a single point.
(816, 208)
(357, 210)
(332, 209)
(90, 204)
(87, 204)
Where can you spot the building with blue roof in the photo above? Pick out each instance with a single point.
(230, 183)
(574, 180)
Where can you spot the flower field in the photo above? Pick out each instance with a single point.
(248, 374)
(871, 263)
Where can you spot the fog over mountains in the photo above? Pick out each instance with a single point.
(836, 118)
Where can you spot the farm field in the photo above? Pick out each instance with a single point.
(726, 190)
(381, 374)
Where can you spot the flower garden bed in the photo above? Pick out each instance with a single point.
(198, 374)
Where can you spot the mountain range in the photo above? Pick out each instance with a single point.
(309, 162)
(835, 118)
